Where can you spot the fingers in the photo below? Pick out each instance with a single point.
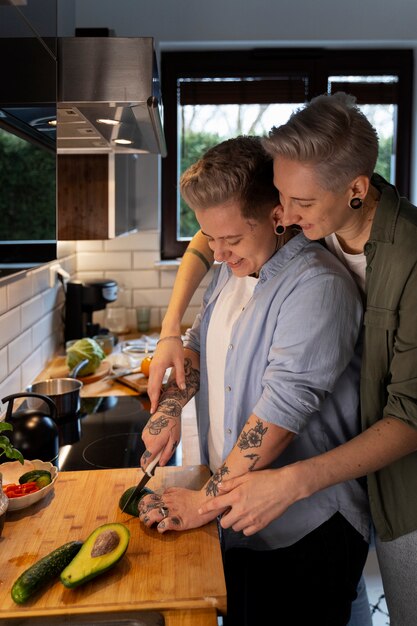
(217, 505)
(180, 372)
(154, 387)
(153, 510)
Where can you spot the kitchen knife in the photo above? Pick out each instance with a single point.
(147, 475)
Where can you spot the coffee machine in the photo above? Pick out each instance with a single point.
(81, 300)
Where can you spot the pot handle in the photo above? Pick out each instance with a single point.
(10, 399)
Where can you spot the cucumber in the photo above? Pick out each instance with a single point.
(33, 476)
(44, 571)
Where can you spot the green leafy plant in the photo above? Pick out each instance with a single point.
(6, 448)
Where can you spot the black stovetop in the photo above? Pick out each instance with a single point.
(105, 434)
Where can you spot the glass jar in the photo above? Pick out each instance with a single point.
(4, 504)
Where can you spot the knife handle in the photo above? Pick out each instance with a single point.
(151, 467)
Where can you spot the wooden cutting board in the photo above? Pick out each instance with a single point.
(175, 573)
(59, 369)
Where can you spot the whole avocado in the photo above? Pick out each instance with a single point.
(132, 507)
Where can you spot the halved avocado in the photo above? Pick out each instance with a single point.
(132, 507)
(101, 550)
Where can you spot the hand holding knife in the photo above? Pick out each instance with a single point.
(147, 475)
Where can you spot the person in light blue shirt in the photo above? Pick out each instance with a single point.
(275, 356)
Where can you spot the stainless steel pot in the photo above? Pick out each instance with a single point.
(65, 392)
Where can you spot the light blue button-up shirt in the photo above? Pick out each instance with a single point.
(294, 361)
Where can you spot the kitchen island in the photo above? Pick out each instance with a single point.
(177, 575)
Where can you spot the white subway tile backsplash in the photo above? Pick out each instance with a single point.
(90, 246)
(31, 367)
(52, 345)
(30, 304)
(138, 279)
(3, 363)
(3, 299)
(19, 349)
(167, 278)
(151, 297)
(43, 328)
(32, 311)
(11, 384)
(40, 279)
(90, 261)
(145, 260)
(19, 291)
(87, 276)
(30, 326)
(66, 249)
(52, 298)
(9, 326)
(145, 240)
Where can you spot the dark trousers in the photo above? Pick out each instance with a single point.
(311, 582)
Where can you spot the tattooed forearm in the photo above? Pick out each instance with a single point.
(212, 487)
(192, 380)
(253, 437)
(254, 458)
(173, 399)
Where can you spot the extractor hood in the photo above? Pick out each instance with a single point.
(109, 97)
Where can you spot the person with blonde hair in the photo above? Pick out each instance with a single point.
(274, 354)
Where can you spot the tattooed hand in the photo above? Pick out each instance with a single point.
(175, 509)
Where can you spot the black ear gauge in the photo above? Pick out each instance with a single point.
(356, 203)
(280, 229)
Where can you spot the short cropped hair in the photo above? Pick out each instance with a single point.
(237, 170)
(331, 134)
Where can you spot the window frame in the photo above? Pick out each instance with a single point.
(315, 64)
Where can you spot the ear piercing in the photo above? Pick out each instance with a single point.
(356, 203)
(280, 229)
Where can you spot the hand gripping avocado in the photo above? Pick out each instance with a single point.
(132, 507)
(101, 550)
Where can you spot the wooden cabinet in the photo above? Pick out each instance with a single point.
(86, 196)
(96, 196)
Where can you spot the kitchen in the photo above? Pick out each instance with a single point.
(30, 321)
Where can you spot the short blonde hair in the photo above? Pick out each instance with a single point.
(237, 170)
(331, 134)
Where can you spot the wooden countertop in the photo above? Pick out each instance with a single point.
(177, 574)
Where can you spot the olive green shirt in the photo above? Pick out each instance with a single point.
(389, 365)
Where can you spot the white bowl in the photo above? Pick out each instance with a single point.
(11, 472)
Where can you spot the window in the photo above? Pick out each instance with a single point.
(212, 96)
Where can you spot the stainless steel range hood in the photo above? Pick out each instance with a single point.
(109, 97)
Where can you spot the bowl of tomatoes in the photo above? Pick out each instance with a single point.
(27, 484)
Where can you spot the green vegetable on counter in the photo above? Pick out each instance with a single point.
(44, 571)
(85, 349)
(101, 551)
(38, 476)
(132, 507)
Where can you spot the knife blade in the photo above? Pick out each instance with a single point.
(147, 475)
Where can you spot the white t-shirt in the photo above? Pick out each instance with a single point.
(232, 299)
(356, 263)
